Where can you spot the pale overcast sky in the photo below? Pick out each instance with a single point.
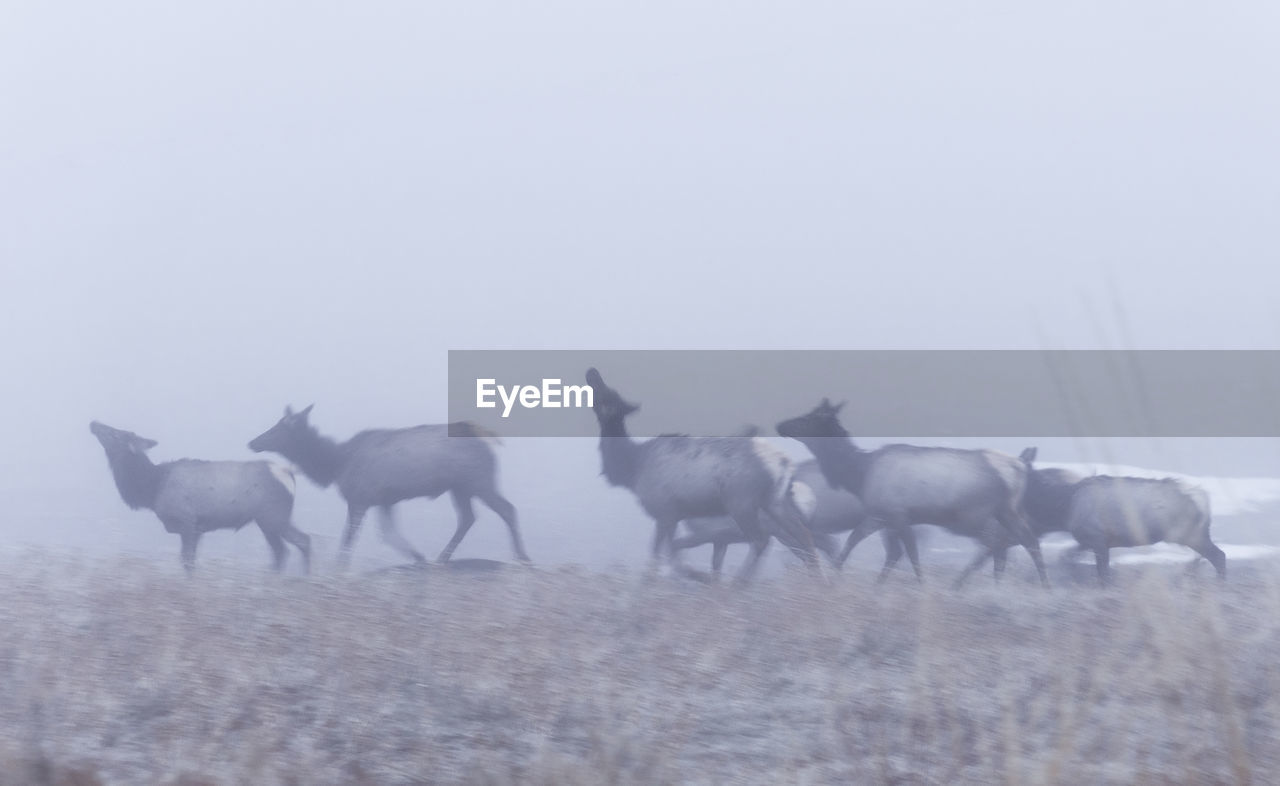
(209, 210)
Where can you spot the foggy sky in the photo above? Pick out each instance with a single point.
(211, 211)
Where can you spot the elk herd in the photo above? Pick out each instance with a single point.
(724, 490)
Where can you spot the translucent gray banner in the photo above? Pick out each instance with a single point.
(980, 393)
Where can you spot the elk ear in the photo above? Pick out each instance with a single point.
(826, 403)
(836, 409)
(142, 444)
(304, 413)
(593, 377)
(1028, 455)
(288, 410)
(630, 407)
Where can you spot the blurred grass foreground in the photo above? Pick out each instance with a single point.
(121, 671)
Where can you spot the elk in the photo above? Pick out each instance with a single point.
(193, 497)
(678, 477)
(831, 510)
(380, 467)
(977, 493)
(1104, 512)
(1047, 498)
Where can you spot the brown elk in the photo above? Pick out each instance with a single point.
(677, 477)
(192, 497)
(977, 493)
(381, 467)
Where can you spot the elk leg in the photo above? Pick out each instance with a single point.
(971, 568)
(892, 554)
(758, 548)
(1102, 557)
(824, 542)
(1215, 555)
(663, 541)
(859, 533)
(1000, 558)
(718, 551)
(278, 553)
(355, 517)
(392, 537)
(301, 540)
(507, 512)
(190, 537)
(661, 533)
(897, 540)
(466, 517)
(907, 539)
(681, 544)
(664, 548)
(748, 520)
(1015, 525)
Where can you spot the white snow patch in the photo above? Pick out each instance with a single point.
(1168, 553)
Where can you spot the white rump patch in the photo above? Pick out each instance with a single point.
(777, 464)
(284, 475)
(806, 501)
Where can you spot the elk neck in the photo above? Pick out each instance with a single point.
(843, 463)
(137, 478)
(619, 453)
(319, 457)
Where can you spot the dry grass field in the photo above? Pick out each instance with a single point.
(120, 671)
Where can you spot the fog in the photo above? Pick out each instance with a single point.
(211, 212)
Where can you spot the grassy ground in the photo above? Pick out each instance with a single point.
(122, 671)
